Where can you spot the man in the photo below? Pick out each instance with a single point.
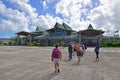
(70, 50)
(97, 51)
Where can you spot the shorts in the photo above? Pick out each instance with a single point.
(79, 53)
(56, 60)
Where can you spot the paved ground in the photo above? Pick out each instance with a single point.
(33, 63)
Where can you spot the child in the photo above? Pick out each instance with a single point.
(56, 57)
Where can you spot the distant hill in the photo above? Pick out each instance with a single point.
(4, 39)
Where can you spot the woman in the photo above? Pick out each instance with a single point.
(56, 57)
(79, 52)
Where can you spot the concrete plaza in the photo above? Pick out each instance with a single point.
(34, 63)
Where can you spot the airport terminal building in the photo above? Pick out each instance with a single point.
(61, 33)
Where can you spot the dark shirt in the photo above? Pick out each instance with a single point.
(97, 48)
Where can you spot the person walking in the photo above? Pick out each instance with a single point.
(56, 58)
(70, 50)
(79, 52)
(97, 51)
(83, 49)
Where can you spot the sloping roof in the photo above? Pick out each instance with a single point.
(23, 33)
(67, 27)
(90, 27)
(39, 29)
(57, 25)
(63, 26)
(90, 31)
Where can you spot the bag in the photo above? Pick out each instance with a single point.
(77, 48)
(74, 49)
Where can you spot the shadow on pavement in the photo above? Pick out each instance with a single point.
(49, 76)
(75, 64)
(95, 61)
(65, 60)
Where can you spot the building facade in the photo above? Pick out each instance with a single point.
(90, 36)
(60, 33)
(64, 33)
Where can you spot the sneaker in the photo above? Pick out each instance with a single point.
(78, 62)
(58, 71)
(55, 71)
(97, 59)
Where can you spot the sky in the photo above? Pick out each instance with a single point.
(26, 15)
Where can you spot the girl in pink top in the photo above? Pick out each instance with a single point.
(56, 57)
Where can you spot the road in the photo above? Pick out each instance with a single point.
(33, 63)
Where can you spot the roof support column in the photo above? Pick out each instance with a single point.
(80, 36)
(30, 38)
(100, 38)
(18, 39)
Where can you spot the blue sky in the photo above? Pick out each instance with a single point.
(26, 15)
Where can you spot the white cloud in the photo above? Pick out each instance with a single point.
(25, 7)
(74, 12)
(105, 16)
(48, 21)
(24, 17)
(14, 21)
(45, 4)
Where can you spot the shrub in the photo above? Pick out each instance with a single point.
(36, 43)
(111, 44)
(30, 44)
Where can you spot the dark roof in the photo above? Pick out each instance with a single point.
(90, 27)
(57, 25)
(63, 26)
(67, 27)
(94, 30)
(23, 33)
(90, 31)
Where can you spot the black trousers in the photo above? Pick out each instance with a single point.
(97, 55)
